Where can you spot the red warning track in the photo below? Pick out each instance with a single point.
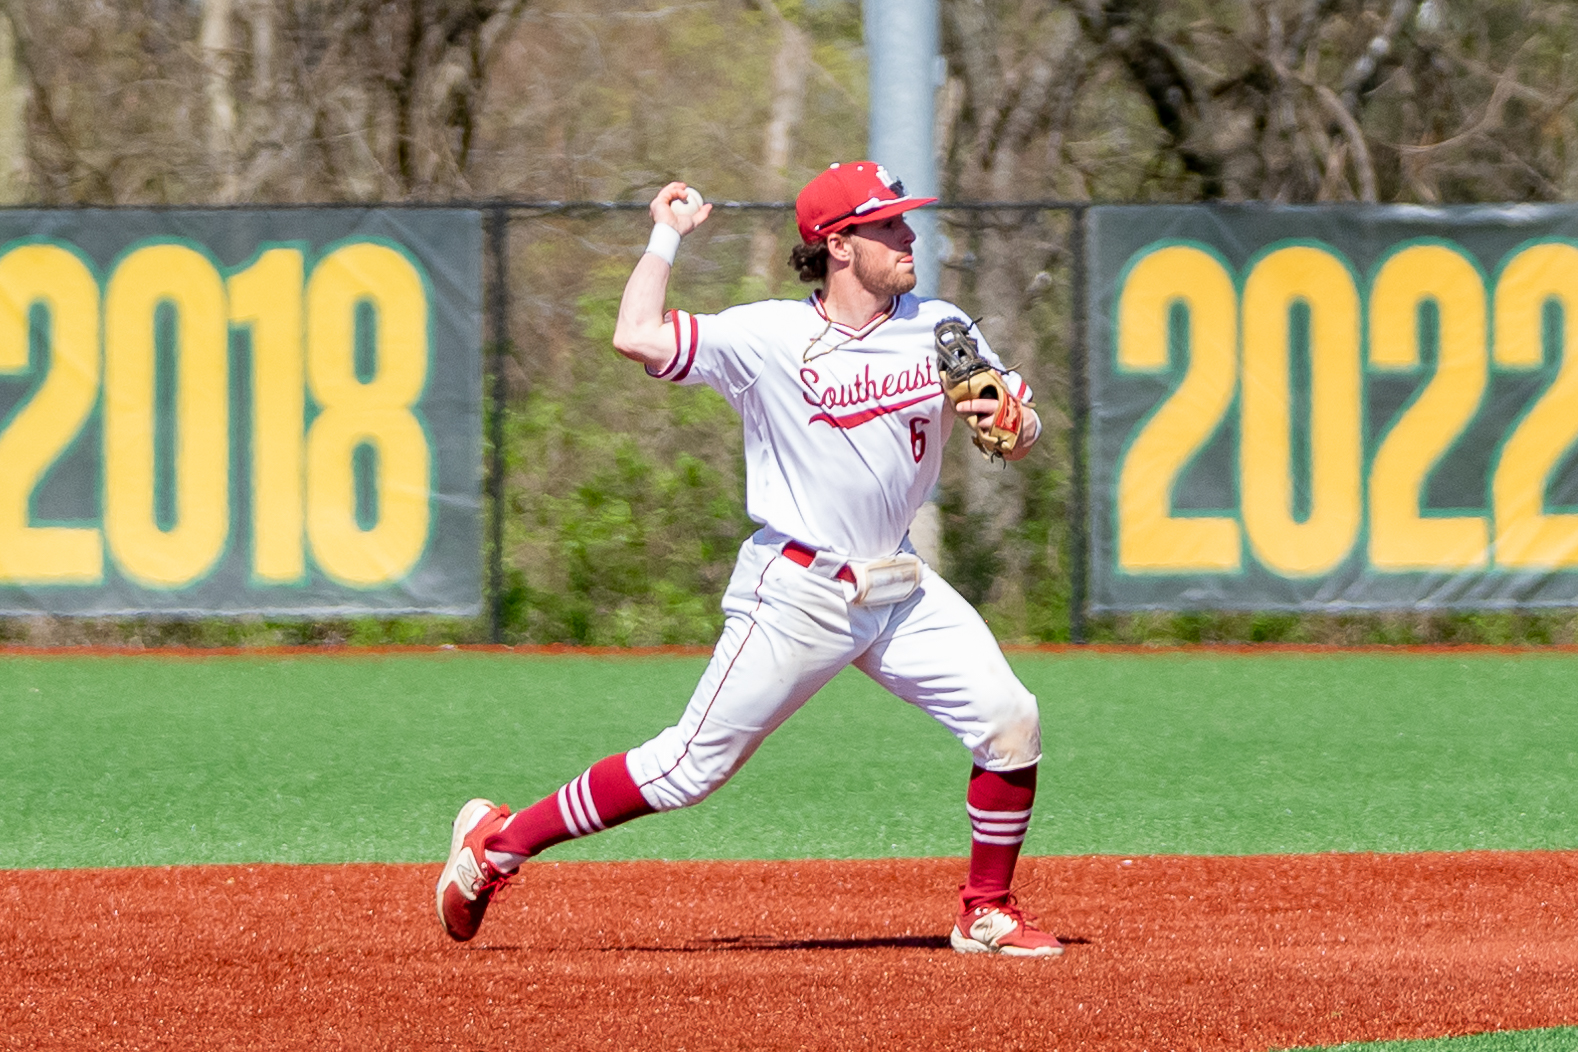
(1197, 953)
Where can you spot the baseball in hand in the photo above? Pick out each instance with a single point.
(688, 205)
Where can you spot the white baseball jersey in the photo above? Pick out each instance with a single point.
(844, 428)
(843, 441)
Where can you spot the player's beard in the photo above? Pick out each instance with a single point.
(876, 275)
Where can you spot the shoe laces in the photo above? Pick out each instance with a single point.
(494, 880)
(1010, 907)
(494, 883)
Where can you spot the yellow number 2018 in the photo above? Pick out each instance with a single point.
(1184, 284)
(378, 285)
(181, 280)
(344, 475)
(52, 278)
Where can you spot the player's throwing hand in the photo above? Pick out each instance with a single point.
(663, 209)
(640, 332)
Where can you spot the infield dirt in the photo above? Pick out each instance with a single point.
(1164, 953)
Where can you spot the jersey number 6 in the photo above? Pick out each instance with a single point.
(918, 437)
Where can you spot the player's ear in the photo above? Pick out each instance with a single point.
(839, 247)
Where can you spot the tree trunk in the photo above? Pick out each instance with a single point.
(217, 66)
(13, 121)
(790, 67)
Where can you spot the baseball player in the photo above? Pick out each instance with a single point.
(845, 413)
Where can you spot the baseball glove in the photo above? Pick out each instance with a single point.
(965, 376)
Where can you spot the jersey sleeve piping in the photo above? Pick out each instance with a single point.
(684, 349)
(695, 338)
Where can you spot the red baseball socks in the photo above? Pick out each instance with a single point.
(602, 797)
(999, 803)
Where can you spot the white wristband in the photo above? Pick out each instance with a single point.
(664, 242)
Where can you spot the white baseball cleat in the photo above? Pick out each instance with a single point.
(1002, 928)
(469, 880)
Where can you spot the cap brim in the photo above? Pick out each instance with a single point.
(889, 209)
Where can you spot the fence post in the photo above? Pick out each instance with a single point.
(1078, 527)
(498, 318)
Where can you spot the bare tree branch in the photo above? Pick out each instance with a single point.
(791, 65)
(218, 65)
(1489, 120)
(1380, 46)
(1363, 167)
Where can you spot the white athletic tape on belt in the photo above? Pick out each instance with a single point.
(879, 582)
(823, 564)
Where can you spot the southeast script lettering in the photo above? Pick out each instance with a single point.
(864, 390)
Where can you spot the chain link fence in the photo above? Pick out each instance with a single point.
(614, 504)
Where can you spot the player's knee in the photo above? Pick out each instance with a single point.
(1014, 737)
(672, 774)
(684, 786)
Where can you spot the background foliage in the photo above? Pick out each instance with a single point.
(624, 495)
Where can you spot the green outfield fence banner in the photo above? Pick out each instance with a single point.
(273, 411)
(1330, 408)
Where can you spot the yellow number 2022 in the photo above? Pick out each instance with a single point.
(1424, 294)
(1177, 286)
(1527, 536)
(1441, 277)
(1311, 278)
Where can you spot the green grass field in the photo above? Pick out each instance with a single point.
(138, 761)
(119, 761)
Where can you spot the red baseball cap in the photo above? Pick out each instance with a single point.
(846, 194)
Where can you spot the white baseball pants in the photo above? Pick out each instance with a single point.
(789, 631)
